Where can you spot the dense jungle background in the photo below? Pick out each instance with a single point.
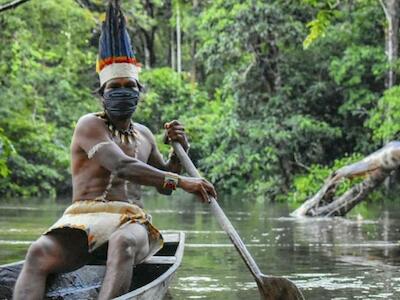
(274, 94)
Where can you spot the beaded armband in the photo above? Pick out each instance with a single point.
(171, 181)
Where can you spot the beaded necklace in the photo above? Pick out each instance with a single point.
(126, 136)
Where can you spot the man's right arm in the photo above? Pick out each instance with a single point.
(93, 138)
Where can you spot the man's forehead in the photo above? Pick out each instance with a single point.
(121, 80)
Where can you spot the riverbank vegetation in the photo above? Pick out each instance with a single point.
(273, 93)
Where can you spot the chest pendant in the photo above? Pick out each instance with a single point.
(127, 137)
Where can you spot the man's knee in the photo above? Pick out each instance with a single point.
(39, 256)
(130, 244)
(124, 244)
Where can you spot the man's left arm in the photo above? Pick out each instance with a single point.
(174, 131)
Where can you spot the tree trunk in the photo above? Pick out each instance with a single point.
(178, 39)
(173, 50)
(193, 68)
(286, 170)
(391, 9)
(193, 50)
(169, 13)
(149, 37)
(148, 47)
(147, 63)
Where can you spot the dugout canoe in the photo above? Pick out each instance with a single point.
(150, 281)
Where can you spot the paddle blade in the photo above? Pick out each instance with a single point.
(278, 288)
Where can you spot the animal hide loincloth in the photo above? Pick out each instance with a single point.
(99, 220)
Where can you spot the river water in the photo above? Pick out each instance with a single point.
(357, 257)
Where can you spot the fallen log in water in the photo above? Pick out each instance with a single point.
(375, 168)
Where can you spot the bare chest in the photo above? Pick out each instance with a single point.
(139, 148)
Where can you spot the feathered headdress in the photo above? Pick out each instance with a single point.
(116, 55)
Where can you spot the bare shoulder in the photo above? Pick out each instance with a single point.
(89, 120)
(145, 131)
(89, 131)
(89, 123)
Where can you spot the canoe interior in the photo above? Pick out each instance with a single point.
(85, 282)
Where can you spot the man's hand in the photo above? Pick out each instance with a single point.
(198, 186)
(174, 131)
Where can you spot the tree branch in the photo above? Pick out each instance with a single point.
(80, 3)
(91, 14)
(298, 163)
(387, 14)
(12, 5)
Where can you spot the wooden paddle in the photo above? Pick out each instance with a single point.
(270, 287)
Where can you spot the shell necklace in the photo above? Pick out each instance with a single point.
(126, 136)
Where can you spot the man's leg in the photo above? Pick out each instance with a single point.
(56, 252)
(126, 246)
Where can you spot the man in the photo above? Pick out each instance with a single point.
(107, 151)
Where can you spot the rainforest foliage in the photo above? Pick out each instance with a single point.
(272, 92)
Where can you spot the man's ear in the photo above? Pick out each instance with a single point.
(141, 87)
(99, 92)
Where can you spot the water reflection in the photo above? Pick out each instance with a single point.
(353, 258)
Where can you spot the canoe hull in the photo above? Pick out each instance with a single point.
(151, 279)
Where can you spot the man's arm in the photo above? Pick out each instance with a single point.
(93, 138)
(174, 132)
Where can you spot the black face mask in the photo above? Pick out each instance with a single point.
(121, 103)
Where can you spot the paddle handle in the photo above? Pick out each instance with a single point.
(219, 214)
